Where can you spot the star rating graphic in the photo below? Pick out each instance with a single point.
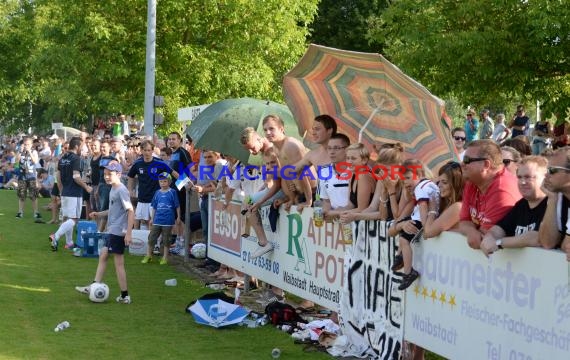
(435, 296)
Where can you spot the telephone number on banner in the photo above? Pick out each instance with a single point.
(261, 262)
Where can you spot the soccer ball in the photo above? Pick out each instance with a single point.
(198, 251)
(98, 292)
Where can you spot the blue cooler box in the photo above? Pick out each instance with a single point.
(92, 244)
(84, 226)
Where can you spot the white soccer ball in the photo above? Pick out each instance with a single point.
(98, 292)
(198, 251)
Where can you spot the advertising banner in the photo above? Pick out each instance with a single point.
(306, 261)
(513, 305)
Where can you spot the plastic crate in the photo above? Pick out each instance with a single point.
(92, 244)
(84, 226)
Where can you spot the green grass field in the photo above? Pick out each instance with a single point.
(37, 292)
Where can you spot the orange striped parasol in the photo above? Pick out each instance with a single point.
(373, 101)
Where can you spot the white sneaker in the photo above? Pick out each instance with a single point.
(262, 250)
(269, 297)
(124, 300)
(82, 289)
(302, 335)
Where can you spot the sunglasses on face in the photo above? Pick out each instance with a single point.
(556, 169)
(508, 162)
(459, 138)
(468, 160)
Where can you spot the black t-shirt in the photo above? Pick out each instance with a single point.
(94, 164)
(179, 161)
(522, 218)
(147, 175)
(68, 163)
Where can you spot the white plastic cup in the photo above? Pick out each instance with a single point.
(170, 282)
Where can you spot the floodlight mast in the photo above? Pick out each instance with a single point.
(150, 68)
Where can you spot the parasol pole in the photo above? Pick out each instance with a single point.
(376, 110)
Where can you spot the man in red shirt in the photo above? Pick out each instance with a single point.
(489, 193)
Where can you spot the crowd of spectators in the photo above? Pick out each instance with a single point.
(509, 181)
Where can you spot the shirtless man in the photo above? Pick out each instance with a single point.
(299, 188)
(323, 128)
(256, 144)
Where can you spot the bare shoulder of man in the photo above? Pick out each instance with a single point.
(293, 151)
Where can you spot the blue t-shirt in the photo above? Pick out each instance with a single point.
(147, 175)
(165, 204)
(471, 134)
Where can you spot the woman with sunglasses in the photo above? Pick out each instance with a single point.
(511, 158)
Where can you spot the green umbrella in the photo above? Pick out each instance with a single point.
(219, 126)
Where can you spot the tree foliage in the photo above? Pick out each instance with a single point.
(343, 24)
(484, 51)
(83, 57)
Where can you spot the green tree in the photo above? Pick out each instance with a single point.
(344, 24)
(87, 57)
(484, 51)
(17, 83)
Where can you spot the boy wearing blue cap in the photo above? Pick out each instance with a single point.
(121, 218)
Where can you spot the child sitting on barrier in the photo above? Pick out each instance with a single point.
(410, 229)
(164, 214)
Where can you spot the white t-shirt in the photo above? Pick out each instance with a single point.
(333, 188)
(423, 191)
(247, 186)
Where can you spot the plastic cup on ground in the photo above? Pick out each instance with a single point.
(170, 282)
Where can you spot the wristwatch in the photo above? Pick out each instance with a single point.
(499, 243)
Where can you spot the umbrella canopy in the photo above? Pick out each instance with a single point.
(219, 126)
(217, 313)
(375, 102)
(66, 132)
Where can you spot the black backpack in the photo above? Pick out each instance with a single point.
(281, 313)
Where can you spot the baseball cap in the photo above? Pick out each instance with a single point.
(114, 166)
(164, 176)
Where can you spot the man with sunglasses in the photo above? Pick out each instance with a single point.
(459, 138)
(555, 230)
(519, 228)
(489, 193)
(520, 122)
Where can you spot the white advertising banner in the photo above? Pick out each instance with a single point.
(513, 305)
(307, 260)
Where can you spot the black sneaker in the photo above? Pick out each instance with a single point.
(38, 218)
(19, 215)
(408, 279)
(398, 262)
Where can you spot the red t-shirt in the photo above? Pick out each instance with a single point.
(486, 209)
